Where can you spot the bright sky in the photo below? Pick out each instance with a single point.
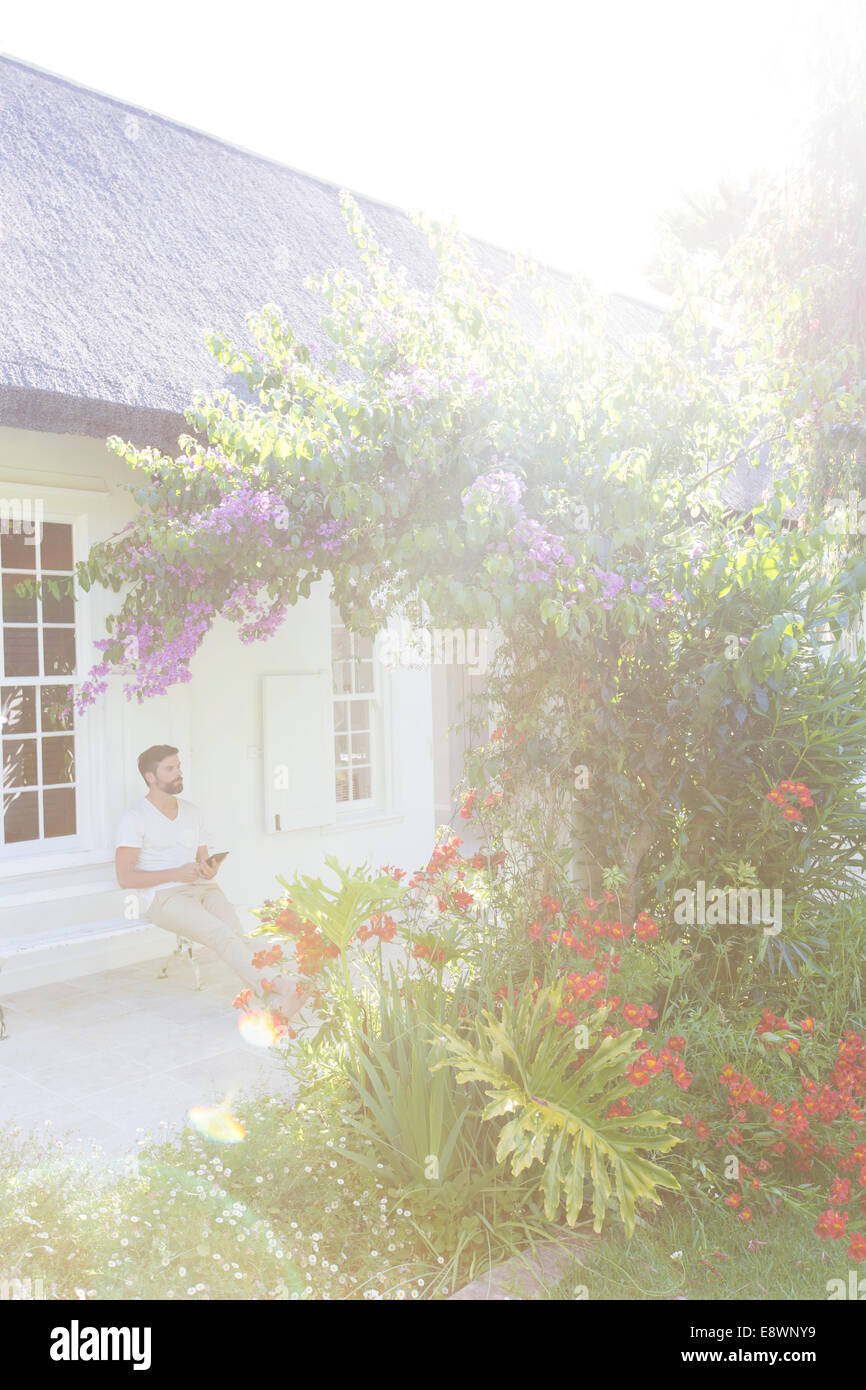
(560, 128)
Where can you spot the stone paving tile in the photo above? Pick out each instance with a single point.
(179, 1048)
(35, 1000)
(86, 1008)
(114, 1055)
(94, 1073)
(203, 1005)
(25, 1102)
(146, 1100)
(132, 1031)
(232, 1071)
(34, 1044)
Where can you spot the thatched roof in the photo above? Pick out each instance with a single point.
(125, 236)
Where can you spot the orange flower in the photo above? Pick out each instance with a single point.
(831, 1224)
(857, 1248)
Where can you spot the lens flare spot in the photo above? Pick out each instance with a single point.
(259, 1027)
(217, 1122)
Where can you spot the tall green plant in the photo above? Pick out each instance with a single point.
(559, 1111)
(417, 1124)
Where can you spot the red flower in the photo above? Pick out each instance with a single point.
(831, 1224)
(676, 1044)
(396, 874)
(640, 1016)
(619, 1107)
(535, 931)
(645, 928)
(682, 1078)
(857, 1248)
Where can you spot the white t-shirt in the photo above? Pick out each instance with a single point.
(162, 843)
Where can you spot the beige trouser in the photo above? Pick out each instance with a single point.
(202, 912)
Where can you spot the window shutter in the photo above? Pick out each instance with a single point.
(298, 748)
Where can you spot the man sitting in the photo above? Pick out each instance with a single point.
(161, 853)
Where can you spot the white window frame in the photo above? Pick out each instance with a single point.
(87, 732)
(379, 698)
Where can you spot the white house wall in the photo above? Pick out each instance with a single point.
(216, 722)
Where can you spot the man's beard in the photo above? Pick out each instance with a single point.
(171, 787)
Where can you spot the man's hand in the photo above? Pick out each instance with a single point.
(190, 873)
(207, 870)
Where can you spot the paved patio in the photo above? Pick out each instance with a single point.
(111, 1057)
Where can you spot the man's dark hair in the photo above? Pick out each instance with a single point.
(149, 760)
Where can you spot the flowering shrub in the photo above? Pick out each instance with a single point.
(798, 1131)
(393, 1027)
(569, 1114)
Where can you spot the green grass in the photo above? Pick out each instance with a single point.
(677, 1254)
